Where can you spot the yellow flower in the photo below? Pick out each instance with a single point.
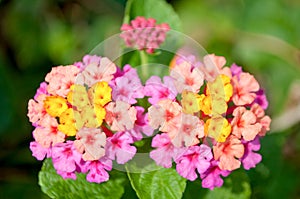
(218, 128)
(55, 105)
(189, 102)
(70, 121)
(100, 93)
(100, 113)
(78, 96)
(204, 103)
(89, 117)
(220, 88)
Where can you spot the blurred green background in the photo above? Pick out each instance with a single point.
(262, 36)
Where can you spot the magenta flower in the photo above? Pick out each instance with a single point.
(98, 170)
(261, 99)
(195, 157)
(211, 178)
(144, 34)
(120, 116)
(156, 90)
(118, 147)
(127, 87)
(236, 70)
(251, 159)
(41, 90)
(141, 125)
(66, 159)
(87, 60)
(38, 151)
(165, 150)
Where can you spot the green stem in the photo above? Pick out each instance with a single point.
(144, 62)
(127, 12)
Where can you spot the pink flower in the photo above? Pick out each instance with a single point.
(41, 90)
(236, 70)
(120, 116)
(87, 59)
(251, 159)
(245, 124)
(98, 170)
(165, 150)
(141, 125)
(60, 79)
(262, 119)
(118, 147)
(156, 90)
(127, 87)
(97, 70)
(213, 66)
(36, 109)
(186, 77)
(244, 88)
(191, 129)
(39, 152)
(212, 177)
(92, 141)
(47, 134)
(66, 159)
(167, 115)
(144, 34)
(195, 157)
(228, 153)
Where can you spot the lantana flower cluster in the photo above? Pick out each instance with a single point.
(209, 117)
(84, 118)
(210, 121)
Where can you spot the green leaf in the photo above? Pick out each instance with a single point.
(56, 187)
(157, 9)
(157, 182)
(236, 186)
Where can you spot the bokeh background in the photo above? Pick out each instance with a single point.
(262, 36)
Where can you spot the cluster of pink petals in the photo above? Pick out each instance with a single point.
(144, 34)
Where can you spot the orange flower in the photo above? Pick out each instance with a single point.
(228, 153)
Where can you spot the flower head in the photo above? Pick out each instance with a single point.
(144, 34)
